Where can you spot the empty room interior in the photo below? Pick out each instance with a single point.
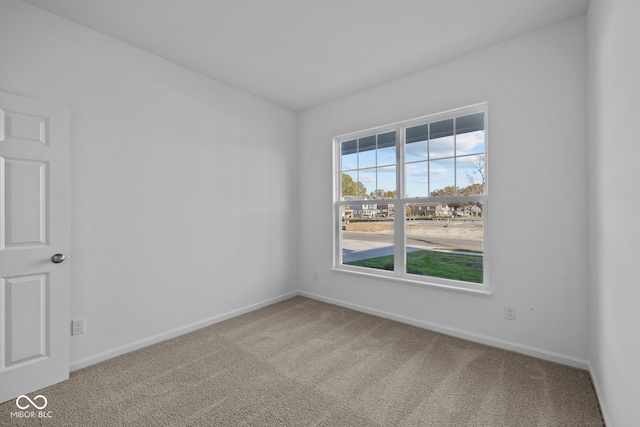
(206, 186)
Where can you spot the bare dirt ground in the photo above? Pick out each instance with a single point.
(445, 229)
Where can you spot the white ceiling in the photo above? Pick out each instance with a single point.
(302, 53)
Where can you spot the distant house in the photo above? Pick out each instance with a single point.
(443, 211)
(385, 210)
(469, 211)
(369, 210)
(423, 209)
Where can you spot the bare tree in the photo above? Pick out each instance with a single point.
(478, 166)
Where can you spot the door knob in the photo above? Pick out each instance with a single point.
(57, 258)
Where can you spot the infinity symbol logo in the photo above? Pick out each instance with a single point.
(31, 402)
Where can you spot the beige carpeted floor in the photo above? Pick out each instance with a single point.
(302, 362)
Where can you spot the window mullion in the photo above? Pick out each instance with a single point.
(455, 157)
(399, 210)
(400, 157)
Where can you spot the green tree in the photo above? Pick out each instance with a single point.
(348, 185)
(351, 187)
(361, 190)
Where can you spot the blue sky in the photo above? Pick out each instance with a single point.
(376, 168)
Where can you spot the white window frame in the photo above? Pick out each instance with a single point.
(399, 274)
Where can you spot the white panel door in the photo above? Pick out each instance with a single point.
(34, 226)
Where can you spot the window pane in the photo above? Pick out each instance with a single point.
(470, 134)
(367, 152)
(416, 144)
(470, 123)
(367, 241)
(441, 177)
(470, 143)
(349, 159)
(386, 183)
(387, 149)
(367, 184)
(445, 240)
(441, 142)
(470, 175)
(349, 184)
(417, 179)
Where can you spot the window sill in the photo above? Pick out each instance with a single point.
(480, 290)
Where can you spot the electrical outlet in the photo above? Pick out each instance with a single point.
(77, 326)
(316, 276)
(509, 312)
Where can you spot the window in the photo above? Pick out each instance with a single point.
(411, 200)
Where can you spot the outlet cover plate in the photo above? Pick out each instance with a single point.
(509, 312)
(77, 326)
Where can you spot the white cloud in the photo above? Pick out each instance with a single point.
(368, 178)
(416, 169)
(472, 142)
(439, 171)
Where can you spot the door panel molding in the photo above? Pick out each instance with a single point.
(20, 127)
(24, 210)
(25, 302)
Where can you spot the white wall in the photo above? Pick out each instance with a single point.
(182, 188)
(614, 153)
(162, 157)
(536, 89)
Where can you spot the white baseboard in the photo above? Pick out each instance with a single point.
(482, 339)
(100, 357)
(470, 336)
(596, 385)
